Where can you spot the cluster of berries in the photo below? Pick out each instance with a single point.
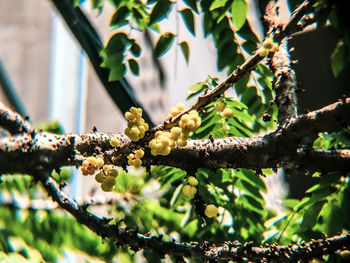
(174, 111)
(190, 189)
(165, 141)
(136, 124)
(268, 46)
(91, 165)
(135, 159)
(106, 178)
(222, 107)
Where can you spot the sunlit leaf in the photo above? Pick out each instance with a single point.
(239, 13)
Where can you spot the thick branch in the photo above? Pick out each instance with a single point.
(12, 121)
(229, 251)
(284, 79)
(24, 153)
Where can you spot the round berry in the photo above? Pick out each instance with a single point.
(211, 211)
(107, 187)
(192, 181)
(114, 141)
(228, 113)
(189, 190)
(263, 52)
(139, 153)
(100, 178)
(107, 168)
(220, 106)
(268, 43)
(99, 162)
(180, 106)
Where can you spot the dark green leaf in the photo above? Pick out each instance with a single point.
(188, 18)
(339, 58)
(185, 50)
(135, 49)
(116, 44)
(164, 43)
(239, 13)
(160, 9)
(117, 72)
(217, 4)
(250, 189)
(192, 4)
(133, 65)
(253, 178)
(311, 215)
(119, 16)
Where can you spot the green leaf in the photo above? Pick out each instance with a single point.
(160, 9)
(339, 58)
(239, 13)
(192, 4)
(311, 215)
(117, 72)
(119, 16)
(188, 17)
(185, 50)
(164, 43)
(134, 66)
(253, 178)
(290, 203)
(116, 44)
(135, 49)
(217, 4)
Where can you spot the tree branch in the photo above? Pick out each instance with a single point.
(13, 122)
(25, 153)
(284, 79)
(205, 251)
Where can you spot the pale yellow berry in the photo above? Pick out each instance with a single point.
(107, 168)
(220, 106)
(85, 164)
(129, 116)
(114, 141)
(189, 190)
(263, 52)
(134, 131)
(131, 162)
(137, 162)
(174, 111)
(99, 162)
(131, 156)
(268, 43)
(228, 113)
(139, 153)
(91, 160)
(180, 106)
(193, 113)
(181, 142)
(100, 178)
(211, 211)
(175, 132)
(191, 125)
(274, 47)
(192, 181)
